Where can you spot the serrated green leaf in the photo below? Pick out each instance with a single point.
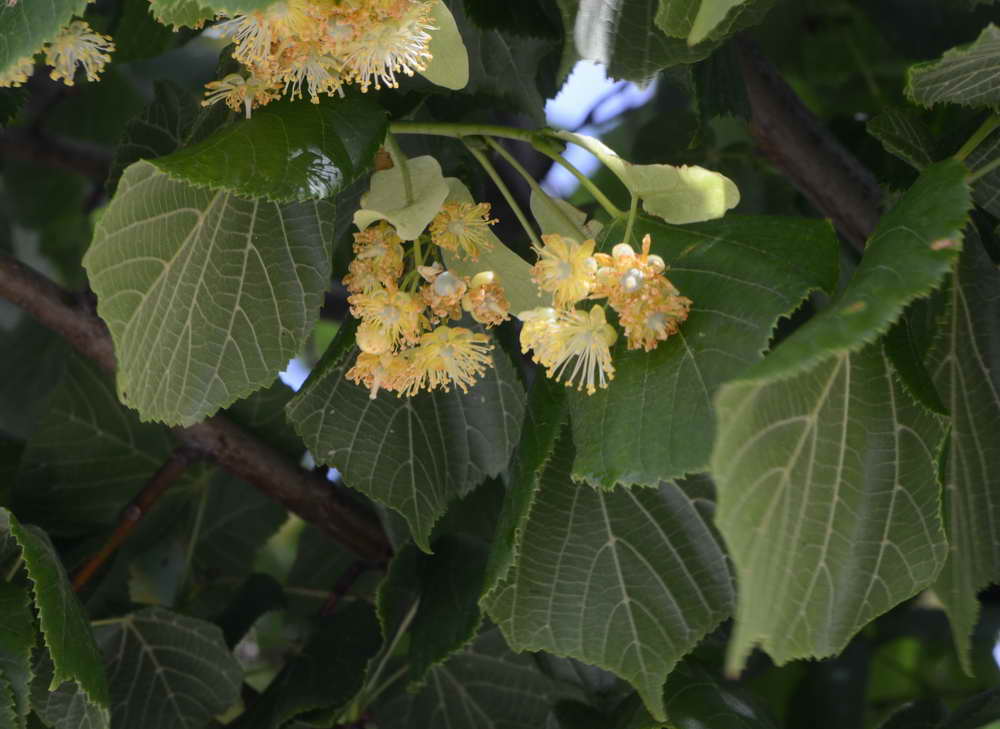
(408, 209)
(513, 272)
(89, 455)
(220, 290)
(17, 639)
(655, 421)
(327, 674)
(678, 195)
(986, 189)
(907, 352)
(64, 625)
(449, 65)
(447, 584)
(289, 151)
(62, 707)
(963, 365)
(828, 501)
(191, 13)
(544, 416)
(909, 254)
(711, 14)
(484, 685)
(415, 454)
(503, 66)
(903, 133)
(167, 671)
(626, 580)
(26, 26)
(968, 75)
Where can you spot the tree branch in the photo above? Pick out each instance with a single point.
(309, 495)
(795, 141)
(34, 145)
(165, 477)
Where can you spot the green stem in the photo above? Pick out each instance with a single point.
(987, 128)
(633, 211)
(387, 653)
(533, 183)
(484, 161)
(381, 689)
(459, 131)
(536, 138)
(399, 160)
(603, 200)
(983, 171)
(195, 536)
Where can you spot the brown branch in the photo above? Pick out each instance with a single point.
(798, 144)
(35, 145)
(172, 469)
(309, 495)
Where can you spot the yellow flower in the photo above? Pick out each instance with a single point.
(239, 93)
(583, 340)
(380, 371)
(623, 274)
(447, 356)
(538, 333)
(319, 72)
(443, 293)
(398, 314)
(654, 315)
(255, 33)
(565, 268)
(396, 43)
(486, 300)
(18, 72)
(373, 338)
(78, 45)
(463, 226)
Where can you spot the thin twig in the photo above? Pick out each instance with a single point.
(795, 141)
(172, 469)
(310, 496)
(344, 584)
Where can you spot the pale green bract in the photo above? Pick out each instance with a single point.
(207, 295)
(678, 195)
(560, 218)
(449, 65)
(408, 210)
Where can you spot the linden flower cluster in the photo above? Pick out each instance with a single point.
(318, 46)
(406, 340)
(575, 344)
(76, 46)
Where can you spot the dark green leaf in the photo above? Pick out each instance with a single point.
(219, 290)
(139, 35)
(257, 595)
(263, 414)
(65, 706)
(926, 714)
(912, 249)
(327, 674)
(89, 455)
(26, 380)
(448, 584)
(903, 133)
(64, 625)
(969, 75)
(17, 639)
(655, 421)
(976, 712)
(191, 13)
(288, 151)
(986, 190)
(484, 685)
(167, 671)
(412, 454)
(964, 367)
(904, 347)
(627, 580)
(319, 563)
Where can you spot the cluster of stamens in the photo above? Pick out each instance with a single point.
(315, 47)
(77, 46)
(575, 345)
(406, 302)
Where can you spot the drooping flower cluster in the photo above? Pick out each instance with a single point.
(406, 303)
(575, 345)
(77, 46)
(316, 47)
